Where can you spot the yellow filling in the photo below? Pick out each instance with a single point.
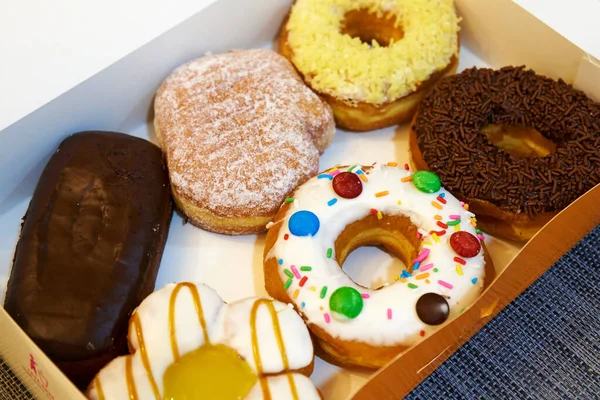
(209, 372)
(345, 67)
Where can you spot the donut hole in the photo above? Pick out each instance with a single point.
(368, 26)
(519, 141)
(396, 235)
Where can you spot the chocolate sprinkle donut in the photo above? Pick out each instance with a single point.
(448, 130)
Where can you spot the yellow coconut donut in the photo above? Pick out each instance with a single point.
(186, 343)
(372, 60)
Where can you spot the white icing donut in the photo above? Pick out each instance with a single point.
(308, 266)
(168, 323)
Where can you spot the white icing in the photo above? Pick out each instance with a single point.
(280, 388)
(227, 324)
(372, 324)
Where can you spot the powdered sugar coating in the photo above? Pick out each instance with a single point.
(240, 131)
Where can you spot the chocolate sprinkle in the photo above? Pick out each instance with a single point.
(448, 130)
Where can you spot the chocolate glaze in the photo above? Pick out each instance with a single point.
(90, 247)
(448, 130)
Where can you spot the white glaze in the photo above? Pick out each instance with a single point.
(279, 388)
(372, 324)
(227, 324)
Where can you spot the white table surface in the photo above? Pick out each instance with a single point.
(48, 47)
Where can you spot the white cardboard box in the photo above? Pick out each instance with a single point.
(119, 98)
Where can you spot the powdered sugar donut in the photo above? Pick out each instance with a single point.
(240, 130)
(185, 340)
(410, 215)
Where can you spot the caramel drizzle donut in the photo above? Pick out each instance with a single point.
(299, 387)
(413, 217)
(449, 142)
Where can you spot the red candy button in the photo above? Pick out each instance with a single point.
(347, 185)
(465, 244)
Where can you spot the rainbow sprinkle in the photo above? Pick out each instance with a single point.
(406, 167)
(351, 168)
(287, 283)
(441, 199)
(426, 267)
(379, 215)
(459, 270)
(445, 284)
(325, 177)
(334, 173)
(295, 295)
(422, 255)
(454, 216)
(303, 304)
(474, 281)
(280, 261)
(442, 225)
(453, 222)
(436, 205)
(363, 177)
(289, 199)
(422, 276)
(457, 228)
(327, 318)
(332, 201)
(305, 268)
(383, 193)
(435, 237)
(389, 313)
(399, 202)
(460, 260)
(288, 273)
(323, 292)
(329, 252)
(412, 286)
(392, 164)
(480, 236)
(437, 217)
(365, 295)
(295, 271)
(304, 279)
(406, 179)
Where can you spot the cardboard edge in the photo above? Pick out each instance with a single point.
(560, 234)
(40, 375)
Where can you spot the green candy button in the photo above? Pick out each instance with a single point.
(426, 181)
(346, 302)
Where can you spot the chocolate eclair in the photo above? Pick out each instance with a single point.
(90, 247)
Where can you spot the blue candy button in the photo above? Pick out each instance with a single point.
(304, 223)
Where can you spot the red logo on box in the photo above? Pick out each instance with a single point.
(37, 374)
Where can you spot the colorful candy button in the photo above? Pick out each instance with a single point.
(346, 302)
(432, 309)
(303, 223)
(426, 181)
(465, 244)
(347, 185)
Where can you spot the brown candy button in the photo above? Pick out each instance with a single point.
(347, 185)
(432, 309)
(465, 244)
